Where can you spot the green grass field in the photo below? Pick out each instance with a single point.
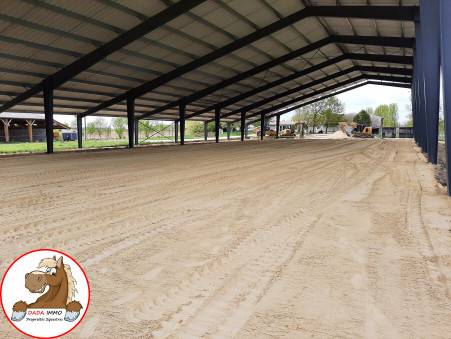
(40, 147)
(36, 147)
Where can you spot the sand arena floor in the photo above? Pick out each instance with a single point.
(313, 238)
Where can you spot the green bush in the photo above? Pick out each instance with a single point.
(363, 118)
(195, 128)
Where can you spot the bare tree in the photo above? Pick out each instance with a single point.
(100, 125)
(119, 126)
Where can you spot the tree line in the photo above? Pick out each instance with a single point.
(102, 128)
(330, 112)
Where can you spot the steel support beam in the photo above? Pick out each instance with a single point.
(421, 122)
(310, 95)
(331, 88)
(131, 121)
(413, 103)
(217, 123)
(262, 126)
(182, 112)
(176, 132)
(270, 85)
(399, 13)
(340, 84)
(136, 131)
(393, 59)
(48, 111)
(243, 124)
(347, 89)
(389, 84)
(445, 9)
(374, 12)
(205, 130)
(85, 62)
(80, 131)
(277, 125)
(294, 90)
(348, 39)
(430, 31)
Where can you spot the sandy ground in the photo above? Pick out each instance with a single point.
(333, 135)
(289, 238)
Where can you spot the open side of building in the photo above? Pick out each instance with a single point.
(221, 61)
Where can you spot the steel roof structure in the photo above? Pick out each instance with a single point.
(221, 60)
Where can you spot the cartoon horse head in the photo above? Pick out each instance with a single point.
(57, 276)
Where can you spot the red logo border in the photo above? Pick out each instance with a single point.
(42, 250)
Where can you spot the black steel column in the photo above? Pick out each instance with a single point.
(412, 102)
(229, 130)
(445, 9)
(80, 131)
(243, 124)
(217, 122)
(421, 121)
(262, 126)
(430, 28)
(136, 131)
(48, 110)
(131, 120)
(205, 130)
(176, 132)
(277, 126)
(182, 111)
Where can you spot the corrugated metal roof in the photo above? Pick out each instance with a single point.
(38, 38)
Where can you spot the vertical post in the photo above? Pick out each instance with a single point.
(79, 131)
(262, 126)
(136, 131)
(48, 112)
(277, 126)
(30, 130)
(182, 111)
(217, 122)
(430, 29)
(86, 134)
(131, 120)
(243, 124)
(205, 130)
(421, 121)
(229, 130)
(6, 123)
(176, 132)
(445, 8)
(413, 103)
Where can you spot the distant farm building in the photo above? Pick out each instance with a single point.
(24, 127)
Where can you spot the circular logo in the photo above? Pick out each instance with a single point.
(44, 293)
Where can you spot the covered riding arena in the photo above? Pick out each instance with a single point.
(265, 238)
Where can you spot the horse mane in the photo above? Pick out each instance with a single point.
(51, 263)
